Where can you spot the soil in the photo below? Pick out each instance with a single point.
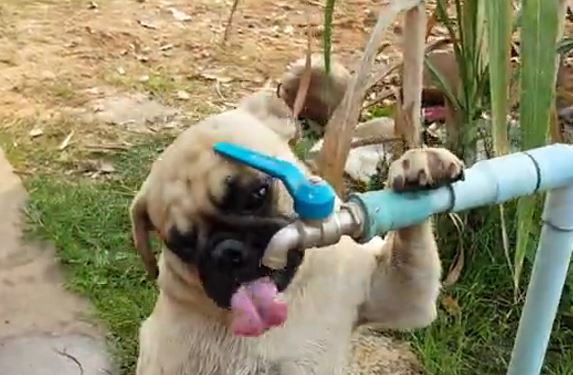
(61, 57)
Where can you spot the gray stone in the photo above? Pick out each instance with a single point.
(62, 355)
(362, 162)
(131, 109)
(39, 319)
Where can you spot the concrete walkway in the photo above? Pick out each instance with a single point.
(44, 329)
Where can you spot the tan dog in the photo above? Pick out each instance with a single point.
(215, 219)
(325, 91)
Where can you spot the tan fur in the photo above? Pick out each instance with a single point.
(393, 282)
(325, 92)
(271, 110)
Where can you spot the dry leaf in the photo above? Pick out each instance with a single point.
(304, 83)
(459, 260)
(179, 15)
(285, 6)
(166, 47)
(451, 306)
(214, 77)
(106, 167)
(93, 91)
(35, 133)
(505, 238)
(109, 147)
(183, 95)
(230, 20)
(66, 142)
(147, 25)
(169, 125)
(142, 58)
(121, 70)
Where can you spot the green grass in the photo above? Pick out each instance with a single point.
(87, 221)
(478, 338)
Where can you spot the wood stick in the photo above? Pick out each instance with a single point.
(340, 127)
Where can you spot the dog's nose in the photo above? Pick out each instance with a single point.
(230, 253)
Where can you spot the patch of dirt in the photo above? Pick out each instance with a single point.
(53, 53)
(58, 58)
(136, 110)
(376, 354)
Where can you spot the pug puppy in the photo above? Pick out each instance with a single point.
(270, 109)
(220, 311)
(325, 92)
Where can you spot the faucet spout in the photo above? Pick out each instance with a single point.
(286, 239)
(302, 235)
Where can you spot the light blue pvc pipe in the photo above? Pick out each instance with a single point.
(495, 181)
(487, 182)
(545, 287)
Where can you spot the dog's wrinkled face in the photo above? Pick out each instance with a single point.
(226, 245)
(217, 217)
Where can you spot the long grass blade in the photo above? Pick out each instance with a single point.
(304, 83)
(327, 35)
(415, 21)
(499, 19)
(565, 46)
(443, 85)
(230, 21)
(539, 30)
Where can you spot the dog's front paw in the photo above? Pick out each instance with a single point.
(424, 168)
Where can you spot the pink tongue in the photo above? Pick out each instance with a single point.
(256, 308)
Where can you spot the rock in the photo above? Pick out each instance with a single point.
(375, 354)
(41, 320)
(362, 162)
(62, 355)
(133, 109)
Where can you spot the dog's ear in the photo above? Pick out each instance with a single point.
(140, 228)
(325, 92)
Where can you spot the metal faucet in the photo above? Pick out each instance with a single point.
(313, 202)
(305, 234)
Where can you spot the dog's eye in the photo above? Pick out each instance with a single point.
(257, 198)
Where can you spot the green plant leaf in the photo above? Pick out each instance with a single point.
(565, 46)
(499, 19)
(539, 29)
(327, 35)
(525, 211)
(443, 85)
(444, 18)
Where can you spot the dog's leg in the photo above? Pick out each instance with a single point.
(405, 286)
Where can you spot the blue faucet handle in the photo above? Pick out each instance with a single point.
(313, 200)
